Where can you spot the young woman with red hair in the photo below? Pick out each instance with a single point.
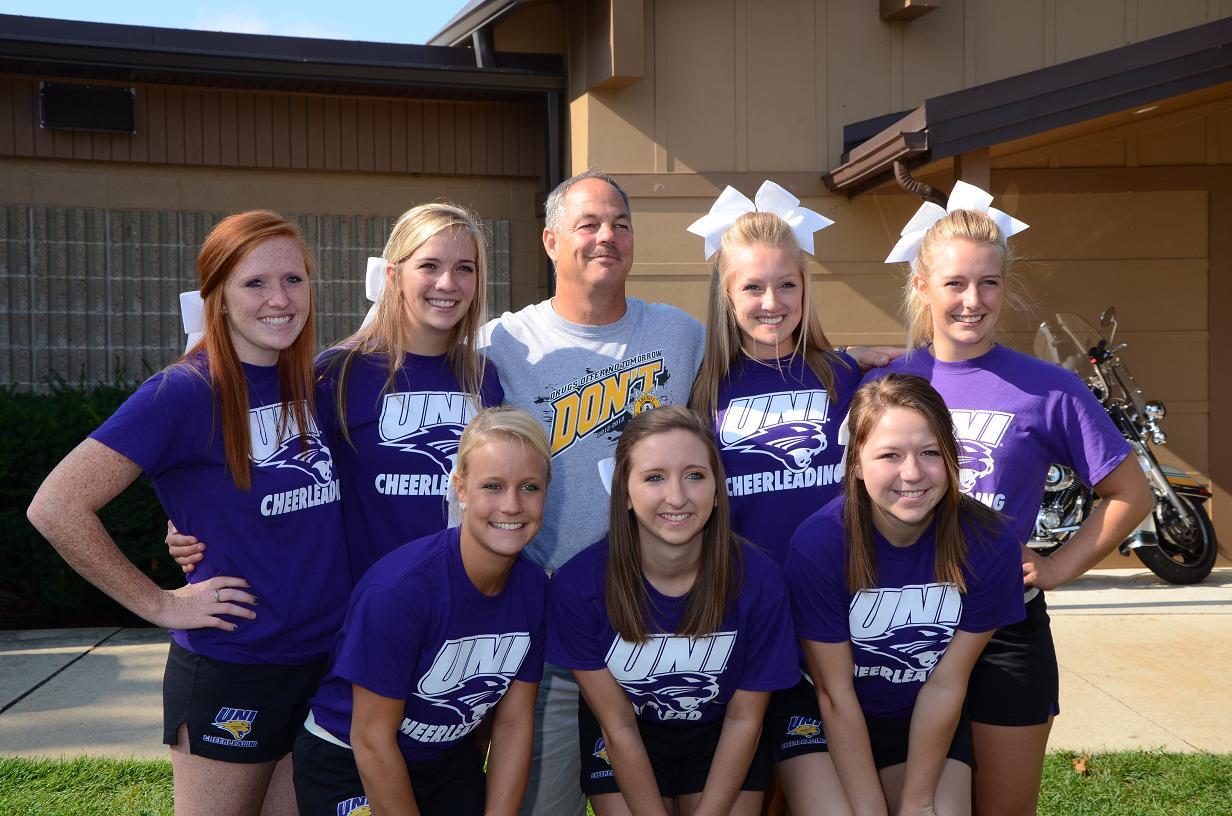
(228, 437)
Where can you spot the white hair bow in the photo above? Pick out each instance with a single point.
(192, 315)
(964, 196)
(374, 284)
(771, 198)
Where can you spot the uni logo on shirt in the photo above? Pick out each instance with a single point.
(605, 400)
(355, 806)
(429, 423)
(470, 675)
(672, 676)
(979, 433)
(270, 448)
(911, 625)
(787, 425)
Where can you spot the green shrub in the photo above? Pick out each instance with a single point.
(37, 589)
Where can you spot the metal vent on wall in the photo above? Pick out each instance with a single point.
(87, 107)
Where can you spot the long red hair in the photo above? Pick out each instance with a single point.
(233, 238)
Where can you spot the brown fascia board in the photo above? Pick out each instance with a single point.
(1081, 89)
(140, 53)
(472, 17)
(1046, 99)
(904, 140)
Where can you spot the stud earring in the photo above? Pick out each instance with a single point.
(462, 506)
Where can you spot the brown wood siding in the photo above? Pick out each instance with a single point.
(203, 126)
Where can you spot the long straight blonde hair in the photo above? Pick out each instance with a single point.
(724, 346)
(388, 334)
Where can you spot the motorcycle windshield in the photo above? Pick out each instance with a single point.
(1072, 349)
(1068, 344)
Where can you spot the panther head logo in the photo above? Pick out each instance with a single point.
(921, 652)
(793, 443)
(314, 460)
(438, 442)
(679, 693)
(473, 698)
(600, 751)
(974, 462)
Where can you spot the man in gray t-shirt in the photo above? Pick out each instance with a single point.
(584, 362)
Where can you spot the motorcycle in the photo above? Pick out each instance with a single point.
(1177, 540)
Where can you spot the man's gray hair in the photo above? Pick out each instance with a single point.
(554, 207)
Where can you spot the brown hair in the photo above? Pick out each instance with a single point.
(721, 565)
(723, 342)
(387, 334)
(956, 515)
(961, 225)
(226, 245)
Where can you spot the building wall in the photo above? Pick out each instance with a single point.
(274, 130)
(93, 254)
(734, 92)
(767, 85)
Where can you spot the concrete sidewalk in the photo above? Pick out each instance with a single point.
(1143, 665)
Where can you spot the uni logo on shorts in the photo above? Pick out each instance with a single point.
(355, 806)
(237, 722)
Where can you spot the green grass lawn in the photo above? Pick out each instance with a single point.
(1134, 783)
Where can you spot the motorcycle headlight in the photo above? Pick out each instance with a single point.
(1155, 410)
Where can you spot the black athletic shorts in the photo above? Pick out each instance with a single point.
(793, 723)
(795, 719)
(889, 737)
(680, 754)
(327, 780)
(1015, 681)
(236, 712)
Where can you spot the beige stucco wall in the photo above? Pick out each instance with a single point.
(736, 91)
(767, 85)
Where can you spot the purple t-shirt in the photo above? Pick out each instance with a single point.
(405, 444)
(671, 677)
(900, 629)
(778, 436)
(418, 630)
(284, 535)
(1015, 415)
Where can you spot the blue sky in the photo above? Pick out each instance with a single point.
(401, 21)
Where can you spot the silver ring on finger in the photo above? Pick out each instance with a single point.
(217, 599)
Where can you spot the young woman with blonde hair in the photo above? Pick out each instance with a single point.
(676, 631)
(1014, 416)
(228, 437)
(777, 392)
(396, 394)
(443, 633)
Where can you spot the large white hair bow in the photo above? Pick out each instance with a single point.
(192, 315)
(771, 198)
(374, 284)
(964, 196)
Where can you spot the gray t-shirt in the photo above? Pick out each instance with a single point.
(584, 383)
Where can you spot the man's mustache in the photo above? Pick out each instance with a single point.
(605, 252)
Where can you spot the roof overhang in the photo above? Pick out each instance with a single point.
(1049, 98)
(102, 51)
(474, 16)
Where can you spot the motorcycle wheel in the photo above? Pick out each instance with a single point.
(1172, 562)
